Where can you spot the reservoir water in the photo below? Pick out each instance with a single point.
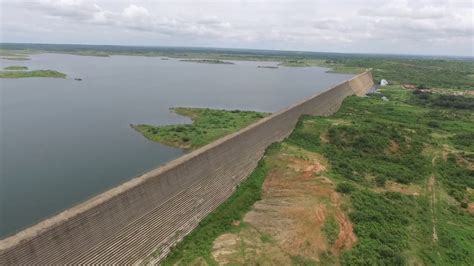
(63, 141)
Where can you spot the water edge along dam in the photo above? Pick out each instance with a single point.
(157, 209)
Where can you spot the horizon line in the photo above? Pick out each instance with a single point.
(249, 49)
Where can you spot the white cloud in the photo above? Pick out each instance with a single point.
(134, 12)
(346, 26)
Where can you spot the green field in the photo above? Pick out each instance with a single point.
(14, 74)
(207, 126)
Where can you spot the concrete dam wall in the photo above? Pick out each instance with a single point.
(155, 210)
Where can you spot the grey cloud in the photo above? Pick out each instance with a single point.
(313, 25)
(73, 9)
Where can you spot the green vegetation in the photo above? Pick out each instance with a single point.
(208, 125)
(456, 176)
(269, 67)
(16, 68)
(199, 243)
(300, 63)
(448, 73)
(208, 61)
(370, 141)
(345, 187)
(16, 58)
(440, 73)
(13, 74)
(384, 224)
(18, 55)
(425, 97)
(331, 229)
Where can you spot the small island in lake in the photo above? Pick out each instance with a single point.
(208, 125)
(295, 63)
(16, 58)
(271, 67)
(16, 68)
(14, 72)
(207, 61)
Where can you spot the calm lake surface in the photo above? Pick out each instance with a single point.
(63, 141)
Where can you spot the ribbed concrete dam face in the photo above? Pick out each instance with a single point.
(155, 210)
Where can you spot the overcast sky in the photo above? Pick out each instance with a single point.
(439, 27)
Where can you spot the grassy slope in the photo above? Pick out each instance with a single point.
(372, 141)
(368, 143)
(208, 125)
(31, 74)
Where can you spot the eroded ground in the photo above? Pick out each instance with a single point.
(288, 223)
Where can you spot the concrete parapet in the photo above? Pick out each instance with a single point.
(157, 209)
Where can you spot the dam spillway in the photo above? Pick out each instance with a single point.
(156, 210)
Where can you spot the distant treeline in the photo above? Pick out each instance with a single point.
(119, 49)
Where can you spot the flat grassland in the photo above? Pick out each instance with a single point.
(207, 126)
(380, 182)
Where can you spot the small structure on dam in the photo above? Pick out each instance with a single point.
(154, 211)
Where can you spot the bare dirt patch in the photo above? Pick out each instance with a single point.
(409, 86)
(392, 186)
(470, 207)
(337, 122)
(295, 203)
(431, 191)
(324, 137)
(248, 248)
(393, 147)
(346, 237)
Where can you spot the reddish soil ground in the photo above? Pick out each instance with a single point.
(297, 198)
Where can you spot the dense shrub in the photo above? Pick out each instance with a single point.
(454, 101)
(456, 178)
(345, 187)
(380, 180)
